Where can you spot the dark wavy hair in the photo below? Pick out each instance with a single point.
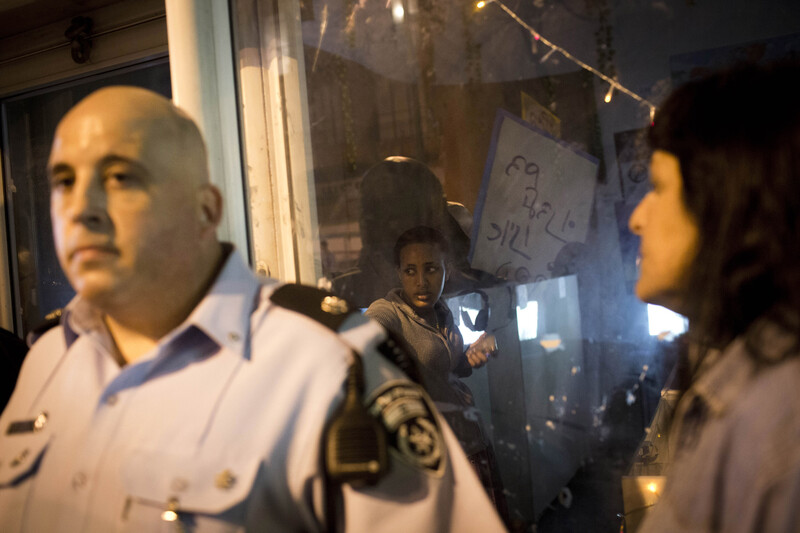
(736, 134)
(420, 235)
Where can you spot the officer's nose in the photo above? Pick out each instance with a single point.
(89, 203)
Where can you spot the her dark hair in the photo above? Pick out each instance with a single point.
(736, 135)
(419, 235)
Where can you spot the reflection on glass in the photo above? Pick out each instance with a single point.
(528, 320)
(665, 323)
(581, 362)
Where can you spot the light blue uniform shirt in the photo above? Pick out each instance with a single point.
(222, 422)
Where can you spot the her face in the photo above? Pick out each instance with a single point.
(669, 235)
(422, 274)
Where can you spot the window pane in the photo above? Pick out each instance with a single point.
(495, 125)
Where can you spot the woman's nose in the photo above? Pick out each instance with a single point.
(635, 221)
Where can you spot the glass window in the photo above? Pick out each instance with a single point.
(516, 130)
(29, 123)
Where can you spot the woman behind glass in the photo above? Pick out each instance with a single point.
(720, 243)
(415, 313)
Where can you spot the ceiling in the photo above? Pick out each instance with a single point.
(18, 16)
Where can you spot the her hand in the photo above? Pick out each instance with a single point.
(480, 350)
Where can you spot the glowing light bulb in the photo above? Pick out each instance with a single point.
(481, 4)
(652, 487)
(398, 12)
(609, 94)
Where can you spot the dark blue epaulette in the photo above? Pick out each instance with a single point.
(331, 311)
(51, 320)
(322, 306)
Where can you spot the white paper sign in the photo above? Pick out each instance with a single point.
(536, 196)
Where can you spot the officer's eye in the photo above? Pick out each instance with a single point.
(409, 272)
(61, 180)
(119, 177)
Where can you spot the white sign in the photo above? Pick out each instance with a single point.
(536, 197)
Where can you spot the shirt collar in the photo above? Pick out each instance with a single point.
(223, 314)
(80, 318)
(721, 381)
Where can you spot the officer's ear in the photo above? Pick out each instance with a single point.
(209, 206)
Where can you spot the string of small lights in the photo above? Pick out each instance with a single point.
(613, 84)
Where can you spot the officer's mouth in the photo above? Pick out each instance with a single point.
(93, 252)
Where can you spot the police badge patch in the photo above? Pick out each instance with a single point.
(410, 425)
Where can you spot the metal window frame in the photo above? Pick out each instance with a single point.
(276, 140)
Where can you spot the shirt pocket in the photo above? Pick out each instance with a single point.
(20, 455)
(172, 492)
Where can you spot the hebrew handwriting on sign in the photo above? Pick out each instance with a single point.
(536, 196)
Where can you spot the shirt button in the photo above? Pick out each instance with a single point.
(111, 399)
(79, 480)
(179, 484)
(40, 421)
(225, 480)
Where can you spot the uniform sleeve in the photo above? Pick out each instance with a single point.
(413, 498)
(430, 486)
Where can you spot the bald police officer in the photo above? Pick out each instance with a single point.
(180, 392)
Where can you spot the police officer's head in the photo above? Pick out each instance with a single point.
(134, 215)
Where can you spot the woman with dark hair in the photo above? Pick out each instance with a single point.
(415, 313)
(720, 243)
